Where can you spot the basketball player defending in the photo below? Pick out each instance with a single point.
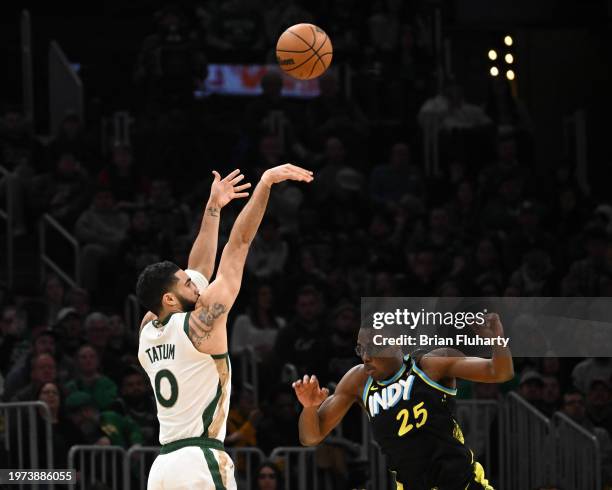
(185, 353)
(409, 402)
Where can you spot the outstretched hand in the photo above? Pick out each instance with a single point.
(288, 171)
(222, 191)
(308, 391)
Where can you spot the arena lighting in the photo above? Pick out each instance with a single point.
(492, 54)
(494, 71)
(510, 75)
(508, 41)
(509, 58)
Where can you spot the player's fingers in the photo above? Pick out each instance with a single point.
(240, 194)
(217, 175)
(313, 379)
(231, 175)
(301, 170)
(242, 187)
(235, 180)
(325, 391)
(306, 378)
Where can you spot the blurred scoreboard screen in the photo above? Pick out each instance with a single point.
(225, 79)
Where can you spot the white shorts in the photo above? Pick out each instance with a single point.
(192, 467)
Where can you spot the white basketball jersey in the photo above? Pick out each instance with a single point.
(192, 389)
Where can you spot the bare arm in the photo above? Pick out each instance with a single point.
(204, 249)
(322, 413)
(451, 363)
(207, 324)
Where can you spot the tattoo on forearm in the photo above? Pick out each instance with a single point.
(214, 212)
(202, 324)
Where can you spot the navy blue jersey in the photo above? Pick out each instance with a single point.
(412, 420)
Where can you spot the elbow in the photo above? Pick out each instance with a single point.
(309, 441)
(505, 375)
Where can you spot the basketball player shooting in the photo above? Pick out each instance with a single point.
(409, 402)
(185, 353)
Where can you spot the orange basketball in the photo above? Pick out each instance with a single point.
(304, 51)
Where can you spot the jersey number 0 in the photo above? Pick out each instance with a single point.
(171, 400)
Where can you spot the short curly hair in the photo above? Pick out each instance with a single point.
(155, 281)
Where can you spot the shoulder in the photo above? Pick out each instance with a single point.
(353, 381)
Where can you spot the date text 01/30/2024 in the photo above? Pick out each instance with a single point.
(10, 476)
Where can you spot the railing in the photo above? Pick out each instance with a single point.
(578, 455)
(246, 460)
(380, 477)
(19, 431)
(431, 144)
(27, 82)
(7, 216)
(138, 461)
(132, 313)
(300, 476)
(250, 372)
(527, 446)
(116, 130)
(476, 419)
(98, 464)
(65, 88)
(46, 261)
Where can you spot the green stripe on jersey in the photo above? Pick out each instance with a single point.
(213, 467)
(207, 416)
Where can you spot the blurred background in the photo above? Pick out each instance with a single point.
(459, 150)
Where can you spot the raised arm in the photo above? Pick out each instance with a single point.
(450, 363)
(207, 324)
(204, 249)
(321, 412)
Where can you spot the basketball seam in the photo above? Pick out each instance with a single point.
(315, 52)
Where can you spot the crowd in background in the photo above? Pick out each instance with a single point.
(373, 223)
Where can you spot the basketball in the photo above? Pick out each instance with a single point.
(304, 51)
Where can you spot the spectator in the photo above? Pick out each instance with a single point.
(344, 329)
(269, 252)
(101, 229)
(533, 277)
(80, 300)
(242, 421)
(531, 385)
(574, 408)
(70, 138)
(51, 395)
(43, 370)
(389, 182)
(91, 426)
(68, 328)
(279, 425)
(12, 344)
(333, 114)
(269, 477)
(62, 193)
(551, 395)
(169, 217)
(137, 403)
(452, 111)
(599, 404)
(259, 326)
(122, 177)
(304, 340)
(89, 380)
(54, 297)
(44, 343)
(588, 370)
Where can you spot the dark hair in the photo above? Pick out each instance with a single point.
(153, 282)
(274, 468)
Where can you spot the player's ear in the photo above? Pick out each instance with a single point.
(169, 299)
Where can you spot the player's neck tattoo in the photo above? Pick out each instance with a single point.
(202, 323)
(212, 211)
